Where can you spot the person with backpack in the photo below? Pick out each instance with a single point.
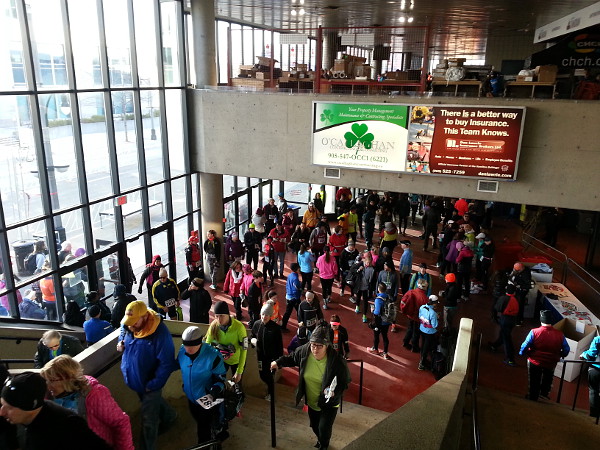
(384, 315)
(35, 260)
(293, 291)
(507, 307)
(428, 327)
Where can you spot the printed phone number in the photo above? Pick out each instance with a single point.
(450, 171)
(380, 159)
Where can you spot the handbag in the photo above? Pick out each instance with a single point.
(244, 301)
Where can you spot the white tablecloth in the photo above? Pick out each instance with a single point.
(566, 304)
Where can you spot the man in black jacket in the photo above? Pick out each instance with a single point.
(520, 277)
(200, 301)
(252, 243)
(52, 344)
(47, 425)
(122, 299)
(318, 357)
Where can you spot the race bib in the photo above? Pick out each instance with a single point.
(271, 216)
(311, 322)
(208, 402)
(170, 302)
(260, 364)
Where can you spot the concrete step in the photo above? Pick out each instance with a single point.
(511, 421)
(253, 428)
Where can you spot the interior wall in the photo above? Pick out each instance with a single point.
(269, 136)
(514, 45)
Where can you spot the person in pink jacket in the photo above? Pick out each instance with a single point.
(67, 384)
(233, 286)
(328, 270)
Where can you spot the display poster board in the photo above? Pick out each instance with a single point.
(450, 140)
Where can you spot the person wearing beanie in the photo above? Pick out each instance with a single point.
(270, 298)
(389, 237)
(94, 298)
(323, 378)
(203, 373)
(95, 328)
(507, 307)
(230, 337)
(254, 296)
(268, 340)
(150, 276)
(193, 257)
(252, 244)
(54, 343)
(234, 249)
(166, 295)
(451, 297)
(543, 346)
(428, 328)
(146, 364)
(309, 315)
(200, 301)
(289, 222)
(84, 395)
(47, 425)
(122, 299)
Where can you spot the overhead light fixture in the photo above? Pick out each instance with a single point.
(293, 12)
(405, 18)
(410, 19)
(301, 12)
(402, 19)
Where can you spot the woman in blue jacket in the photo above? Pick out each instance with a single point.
(203, 374)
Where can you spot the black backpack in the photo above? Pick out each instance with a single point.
(30, 264)
(234, 399)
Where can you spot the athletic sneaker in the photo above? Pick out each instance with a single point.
(341, 292)
(357, 310)
(353, 300)
(325, 305)
(373, 350)
(213, 286)
(385, 356)
(422, 367)
(364, 318)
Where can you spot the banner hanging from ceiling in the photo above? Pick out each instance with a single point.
(463, 141)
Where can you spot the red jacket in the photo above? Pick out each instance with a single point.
(412, 301)
(231, 286)
(280, 240)
(544, 346)
(338, 243)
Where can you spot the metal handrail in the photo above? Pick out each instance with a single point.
(585, 363)
(360, 382)
(476, 433)
(562, 258)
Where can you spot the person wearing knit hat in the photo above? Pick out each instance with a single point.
(543, 346)
(193, 257)
(229, 335)
(200, 301)
(320, 365)
(46, 424)
(96, 328)
(268, 340)
(122, 299)
(203, 373)
(252, 245)
(166, 295)
(146, 364)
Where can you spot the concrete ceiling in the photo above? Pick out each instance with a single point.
(459, 28)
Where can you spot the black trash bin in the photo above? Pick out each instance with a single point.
(22, 250)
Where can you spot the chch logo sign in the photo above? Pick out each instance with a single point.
(359, 134)
(586, 43)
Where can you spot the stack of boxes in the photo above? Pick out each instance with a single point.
(345, 67)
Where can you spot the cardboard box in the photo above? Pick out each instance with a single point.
(578, 343)
(547, 73)
(266, 61)
(263, 75)
(524, 78)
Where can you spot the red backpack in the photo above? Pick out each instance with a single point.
(512, 308)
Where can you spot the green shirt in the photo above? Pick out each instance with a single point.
(235, 335)
(313, 380)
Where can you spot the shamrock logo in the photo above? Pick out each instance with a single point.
(359, 134)
(326, 116)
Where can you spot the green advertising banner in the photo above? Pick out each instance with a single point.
(449, 140)
(362, 136)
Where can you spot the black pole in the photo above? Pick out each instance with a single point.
(272, 394)
(360, 391)
(583, 366)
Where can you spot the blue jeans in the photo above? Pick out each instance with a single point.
(279, 260)
(156, 414)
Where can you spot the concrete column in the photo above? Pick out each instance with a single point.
(205, 65)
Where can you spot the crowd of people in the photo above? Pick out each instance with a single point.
(380, 290)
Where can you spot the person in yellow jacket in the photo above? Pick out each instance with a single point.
(352, 223)
(229, 336)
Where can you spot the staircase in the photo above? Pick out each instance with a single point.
(253, 429)
(509, 421)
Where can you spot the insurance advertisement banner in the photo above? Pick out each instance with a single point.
(464, 141)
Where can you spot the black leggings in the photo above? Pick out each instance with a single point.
(321, 423)
(326, 285)
(365, 298)
(383, 330)
(307, 280)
